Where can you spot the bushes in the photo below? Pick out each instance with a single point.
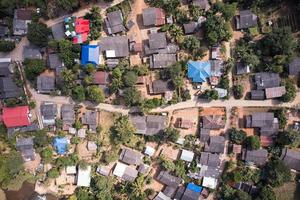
(6, 46)
(252, 142)
(237, 136)
(210, 95)
(38, 34)
(33, 68)
(96, 22)
(277, 173)
(290, 91)
(238, 91)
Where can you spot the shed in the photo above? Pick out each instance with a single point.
(131, 157)
(257, 157)
(162, 60)
(68, 114)
(216, 144)
(84, 177)
(242, 68)
(149, 151)
(204, 134)
(100, 78)
(190, 28)
(192, 192)
(81, 133)
(213, 122)
(159, 87)
(257, 94)
(210, 182)
(202, 4)
(49, 112)
(103, 170)
(60, 145)
(291, 158)
(125, 172)
(157, 41)
(246, 19)
(71, 169)
(54, 61)
(91, 146)
(187, 156)
(168, 179)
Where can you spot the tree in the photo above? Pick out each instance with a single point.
(68, 52)
(90, 68)
(239, 194)
(238, 91)
(290, 91)
(110, 156)
(132, 96)
(289, 138)
(210, 95)
(68, 79)
(174, 32)
(277, 173)
(122, 130)
(6, 46)
(278, 42)
(246, 52)
(227, 10)
(82, 194)
(191, 44)
(33, 68)
(252, 142)
(68, 5)
(266, 193)
(171, 134)
(195, 12)
(38, 34)
(166, 164)
(282, 119)
(41, 139)
(53, 173)
(104, 187)
(95, 22)
(237, 136)
(47, 154)
(78, 93)
(95, 94)
(216, 30)
(129, 78)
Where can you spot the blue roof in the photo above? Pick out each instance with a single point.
(60, 144)
(90, 54)
(198, 71)
(193, 187)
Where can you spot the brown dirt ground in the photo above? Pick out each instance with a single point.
(32, 165)
(245, 82)
(168, 151)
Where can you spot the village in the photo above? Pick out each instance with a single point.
(136, 99)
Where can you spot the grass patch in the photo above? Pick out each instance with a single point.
(289, 191)
(253, 31)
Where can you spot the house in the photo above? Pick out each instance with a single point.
(210, 182)
(202, 4)
(71, 169)
(149, 151)
(209, 159)
(265, 80)
(216, 144)
(143, 168)
(184, 123)
(222, 93)
(213, 122)
(58, 31)
(294, 67)
(103, 170)
(100, 78)
(148, 125)
(246, 187)
(169, 191)
(192, 192)
(30, 52)
(275, 92)
(22, 17)
(260, 119)
(257, 157)
(190, 28)
(161, 196)
(84, 177)
(77, 28)
(8, 88)
(25, 146)
(153, 17)
(54, 61)
(199, 71)
(125, 172)
(6, 67)
(266, 141)
(162, 60)
(68, 115)
(60, 145)
(15, 116)
(246, 19)
(179, 192)
(242, 68)
(291, 158)
(115, 47)
(257, 94)
(204, 134)
(157, 41)
(90, 118)
(45, 84)
(48, 112)
(186, 155)
(90, 54)
(114, 22)
(131, 157)
(167, 179)
(159, 87)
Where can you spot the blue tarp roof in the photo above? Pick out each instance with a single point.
(90, 54)
(193, 187)
(60, 144)
(198, 71)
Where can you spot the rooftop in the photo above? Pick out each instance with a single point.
(117, 45)
(153, 17)
(131, 157)
(199, 71)
(15, 116)
(157, 41)
(246, 19)
(45, 84)
(114, 22)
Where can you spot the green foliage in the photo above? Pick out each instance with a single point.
(252, 142)
(191, 44)
(278, 42)
(150, 104)
(129, 78)
(170, 6)
(210, 95)
(68, 52)
(78, 93)
(171, 134)
(132, 96)
(67, 5)
(32, 105)
(289, 138)
(180, 169)
(68, 81)
(6, 46)
(110, 156)
(122, 131)
(174, 32)
(104, 187)
(282, 119)
(68, 160)
(216, 30)
(290, 91)
(33, 68)
(83, 194)
(181, 16)
(277, 173)
(41, 139)
(53, 173)
(75, 140)
(238, 91)
(95, 22)
(95, 94)
(227, 10)
(166, 164)
(237, 136)
(239, 194)
(47, 154)
(195, 12)
(266, 193)
(141, 70)
(38, 34)
(10, 165)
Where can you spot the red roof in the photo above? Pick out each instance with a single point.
(82, 25)
(78, 39)
(266, 141)
(100, 78)
(160, 17)
(16, 116)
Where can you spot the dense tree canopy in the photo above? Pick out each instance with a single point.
(33, 68)
(122, 130)
(252, 142)
(6, 46)
(38, 33)
(277, 173)
(95, 94)
(132, 96)
(10, 165)
(237, 136)
(95, 22)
